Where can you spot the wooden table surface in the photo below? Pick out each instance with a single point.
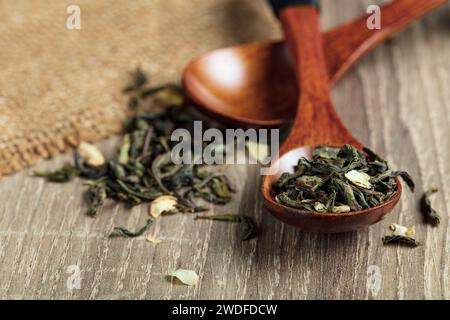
(397, 100)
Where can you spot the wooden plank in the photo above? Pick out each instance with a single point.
(396, 101)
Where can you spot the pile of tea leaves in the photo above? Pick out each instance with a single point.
(142, 169)
(338, 180)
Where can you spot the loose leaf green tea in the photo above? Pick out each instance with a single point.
(141, 169)
(249, 229)
(339, 180)
(431, 215)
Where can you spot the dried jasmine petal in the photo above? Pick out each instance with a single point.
(341, 209)
(163, 204)
(359, 178)
(90, 154)
(187, 277)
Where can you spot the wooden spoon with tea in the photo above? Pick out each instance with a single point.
(254, 84)
(316, 123)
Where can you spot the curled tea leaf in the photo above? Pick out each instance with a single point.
(95, 196)
(123, 232)
(66, 173)
(249, 229)
(431, 215)
(407, 178)
(170, 96)
(187, 277)
(408, 241)
(138, 79)
(90, 154)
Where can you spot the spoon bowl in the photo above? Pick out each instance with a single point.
(312, 221)
(238, 84)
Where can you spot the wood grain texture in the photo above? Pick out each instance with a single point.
(396, 101)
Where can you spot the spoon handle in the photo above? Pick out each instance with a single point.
(317, 121)
(346, 44)
(302, 34)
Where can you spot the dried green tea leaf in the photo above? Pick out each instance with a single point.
(408, 241)
(187, 277)
(90, 154)
(138, 79)
(373, 155)
(163, 204)
(249, 229)
(402, 235)
(431, 215)
(170, 96)
(406, 177)
(66, 173)
(325, 152)
(95, 196)
(123, 232)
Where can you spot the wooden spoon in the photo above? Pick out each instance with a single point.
(316, 123)
(254, 84)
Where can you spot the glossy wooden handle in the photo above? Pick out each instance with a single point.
(345, 44)
(316, 122)
(302, 35)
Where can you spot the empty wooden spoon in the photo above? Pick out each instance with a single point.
(254, 84)
(316, 123)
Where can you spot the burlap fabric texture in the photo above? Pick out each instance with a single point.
(60, 86)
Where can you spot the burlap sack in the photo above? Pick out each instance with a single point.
(59, 86)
